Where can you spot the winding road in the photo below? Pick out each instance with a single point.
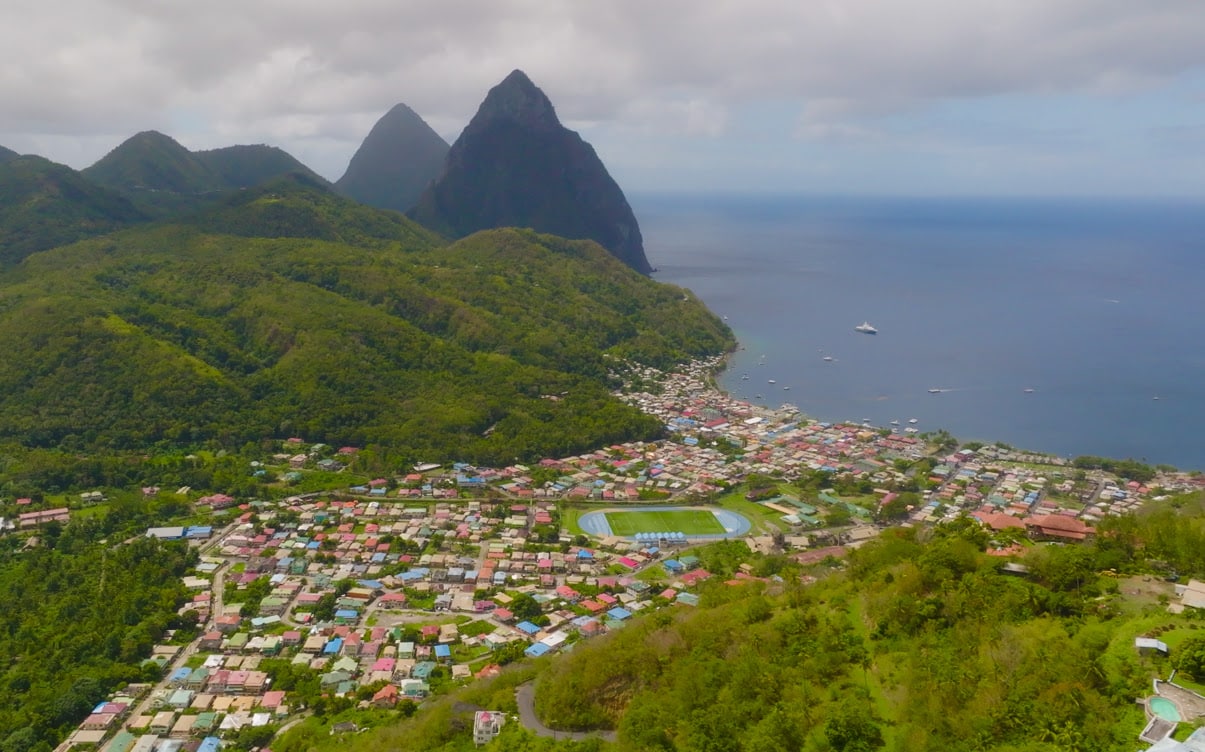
(525, 695)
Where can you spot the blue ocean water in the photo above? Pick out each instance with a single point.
(1094, 305)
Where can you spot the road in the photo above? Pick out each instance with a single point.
(525, 695)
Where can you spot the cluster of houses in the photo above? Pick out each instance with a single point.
(463, 565)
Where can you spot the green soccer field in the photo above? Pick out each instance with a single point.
(689, 521)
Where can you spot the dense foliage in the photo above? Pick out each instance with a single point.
(493, 348)
(43, 205)
(77, 617)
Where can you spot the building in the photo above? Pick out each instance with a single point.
(487, 724)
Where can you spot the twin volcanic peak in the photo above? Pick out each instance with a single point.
(398, 159)
(516, 165)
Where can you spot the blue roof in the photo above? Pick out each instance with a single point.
(536, 649)
(210, 744)
(619, 614)
(584, 554)
(370, 584)
(334, 646)
(443, 651)
(347, 613)
(181, 674)
(528, 627)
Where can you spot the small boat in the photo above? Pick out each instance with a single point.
(935, 391)
(786, 388)
(745, 377)
(910, 429)
(912, 420)
(895, 422)
(772, 381)
(866, 328)
(828, 358)
(1155, 398)
(1028, 390)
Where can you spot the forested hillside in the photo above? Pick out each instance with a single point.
(77, 617)
(44, 204)
(288, 310)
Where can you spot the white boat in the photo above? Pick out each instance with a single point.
(912, 420)
(936, 391)
(786, 388)
(911, 430)
(772, 381)
(895, 422)
(745, 377)
(866, 328)
(828, 358)
(1029, 390)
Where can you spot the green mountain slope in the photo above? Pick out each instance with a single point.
(43, 204)
(366, 330)
(167, 180)
(246, 165)
(151, 161)
(398, 159)
(7, 155)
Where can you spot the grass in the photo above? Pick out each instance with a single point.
(569, 517)
(761, 517)
(689, 521)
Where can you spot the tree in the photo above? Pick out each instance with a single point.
(1190, 656)
(524, 606)
(850, 729)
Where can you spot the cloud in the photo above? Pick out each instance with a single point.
(309, 73)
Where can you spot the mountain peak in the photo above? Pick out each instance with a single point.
(7, 155)
(515, 165)
(399, 157)
(517, 99)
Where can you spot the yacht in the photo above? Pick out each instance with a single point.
(866, 328)
(772, 381)
(935, 391)
(895, 422)
(912, 420)
(1028, 390)
(828, 358)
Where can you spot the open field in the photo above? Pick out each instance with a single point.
(689, 521)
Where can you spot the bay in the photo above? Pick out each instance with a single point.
(1094, 305)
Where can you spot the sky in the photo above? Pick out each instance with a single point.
(881, 97)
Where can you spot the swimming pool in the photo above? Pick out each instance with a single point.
(1164, 708)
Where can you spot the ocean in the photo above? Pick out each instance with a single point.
(1063, 326)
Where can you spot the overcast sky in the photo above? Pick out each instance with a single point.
(816, 96)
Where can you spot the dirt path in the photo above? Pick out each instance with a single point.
(525, 695)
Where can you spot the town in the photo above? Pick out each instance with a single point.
(396, 588)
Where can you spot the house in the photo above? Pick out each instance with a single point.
(1150, 644)
(162, 722)
(1058, 527)
(487, 724)
(386, 696)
